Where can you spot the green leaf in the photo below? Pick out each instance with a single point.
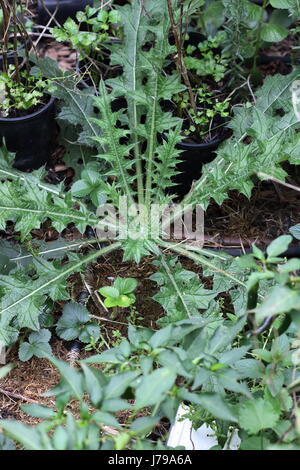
(37, 345)
(70, 376)
(284, 4)
(38, 411)
(255, 443)
(291, 265)
(119, 383)
(125, 285)
(161, 337)
(109, 291)
(263, 354)
(258, 414)
(93, 384)
(279, 245)
(70, 324)
(107, 419)
(211, 402)
(295, 231)
(28, 436)
(124, 301)
(5, 370)
(273, 32)
(143, 425)
(154, 387)
(281, 299)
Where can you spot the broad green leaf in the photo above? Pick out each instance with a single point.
(143, 425)
(279, 245)
(108, 419)
(5, 370)
(125, 285)
(284, 4)
(119, 383)
(273, 32)
(256, 415)
(38, 411)
(211, 402)
(72, 377)
(154, 387)
(255, 443)
(291, 265)
(28, 436)
(109, 291)
(93, 384)
(161, 337)
(281, 299)
(295, 231)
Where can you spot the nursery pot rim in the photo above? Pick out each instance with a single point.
(204, 145)
(28, 117)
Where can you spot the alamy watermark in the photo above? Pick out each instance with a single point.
(136, 221)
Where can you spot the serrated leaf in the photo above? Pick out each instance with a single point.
(273, 32)
(256, 415)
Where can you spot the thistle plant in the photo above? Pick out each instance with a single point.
(137, 168)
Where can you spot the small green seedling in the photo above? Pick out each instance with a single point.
(120, 294)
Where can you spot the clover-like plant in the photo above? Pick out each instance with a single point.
(120, 294)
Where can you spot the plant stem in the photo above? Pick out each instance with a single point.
(6, 23)
(199, 259)
(16, 59)
(180, 62)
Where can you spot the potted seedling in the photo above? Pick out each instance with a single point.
(57, 11)
(203, 105)
(119, 295)
(90, 35)
(25, 106)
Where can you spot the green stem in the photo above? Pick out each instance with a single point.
(173, 281)
(199, 259)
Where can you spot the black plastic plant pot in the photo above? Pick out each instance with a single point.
(30, 137)
(64, 9)
(193, 157)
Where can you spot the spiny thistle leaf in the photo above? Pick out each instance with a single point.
(28, 206)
